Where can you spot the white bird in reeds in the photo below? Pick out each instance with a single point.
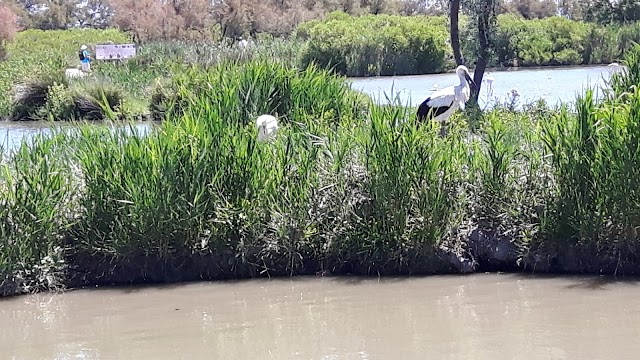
(442, 103)
(267, 127)
(614, 67)
(243, 43)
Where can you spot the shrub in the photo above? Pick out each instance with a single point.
(31, 97)
(377, 45)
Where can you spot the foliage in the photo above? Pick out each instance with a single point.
(530, 9)
(147, 20)
(613, 12)
(388, 45)
(556, 41)
(377, 45)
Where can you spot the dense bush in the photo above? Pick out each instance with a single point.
(555, 41)
(377, 44)
(388, 45)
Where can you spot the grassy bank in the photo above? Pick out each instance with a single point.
(346, 187)
(33, 85)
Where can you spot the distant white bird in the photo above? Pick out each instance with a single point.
(267, 127)
(489, 80)
(243, 43)
(74, 73)
(614, 67)
(442, 103)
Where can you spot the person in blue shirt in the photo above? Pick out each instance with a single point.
(85, 58)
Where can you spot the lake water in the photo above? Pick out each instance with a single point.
(482, 316)
(12, 134)
(553, 84)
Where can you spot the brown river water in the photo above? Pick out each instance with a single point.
(483, 316)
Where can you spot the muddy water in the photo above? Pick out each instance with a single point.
(449, 317)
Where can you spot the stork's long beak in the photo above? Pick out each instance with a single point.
(469, 79)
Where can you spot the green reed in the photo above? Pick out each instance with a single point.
(595, 161)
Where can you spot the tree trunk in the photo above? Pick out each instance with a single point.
(483, 53)
(454, 10)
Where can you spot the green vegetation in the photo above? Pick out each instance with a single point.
(377, 44)
(33, 85)
(32, 79)
(559, 41)
(400, 45)
(346, 187)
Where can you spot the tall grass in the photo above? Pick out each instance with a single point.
(595, 162)
(239, 94)
(411, 192)
(35, 207)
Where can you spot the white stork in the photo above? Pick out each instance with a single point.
(267, 127)
(442, 103)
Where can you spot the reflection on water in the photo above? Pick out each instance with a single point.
(443, 317)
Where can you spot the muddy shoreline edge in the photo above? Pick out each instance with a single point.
(483, 251)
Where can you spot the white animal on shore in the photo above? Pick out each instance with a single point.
(267, 127)
(442, 103)
(243, 43)
(74, 73)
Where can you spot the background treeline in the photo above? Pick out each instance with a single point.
(199, 19)
(395, 45)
